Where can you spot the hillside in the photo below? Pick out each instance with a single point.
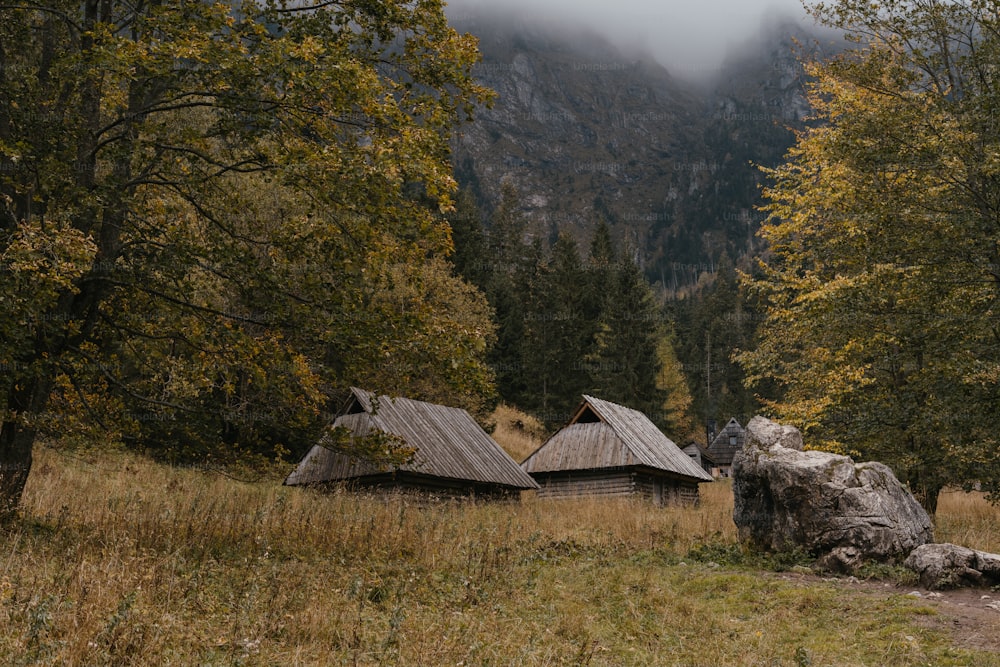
(586, 131)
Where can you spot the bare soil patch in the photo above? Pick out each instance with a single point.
(970, 615)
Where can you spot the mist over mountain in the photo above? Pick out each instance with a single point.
(587, 130)
(690, 39)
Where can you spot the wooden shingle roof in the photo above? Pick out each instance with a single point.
(603, 434)
(693, 448)
(449, 444)
(729, 441)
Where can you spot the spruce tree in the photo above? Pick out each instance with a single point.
(624, 364)
(712, 326)
(505, 286)
(559, 334)
(470, 257)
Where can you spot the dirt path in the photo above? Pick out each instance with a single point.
(971, 615)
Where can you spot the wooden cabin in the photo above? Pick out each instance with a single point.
(700, 456)
(453, 455)
(725, 445)
(608, 449)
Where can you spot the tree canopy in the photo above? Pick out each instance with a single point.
(213, 216)
(881, 284)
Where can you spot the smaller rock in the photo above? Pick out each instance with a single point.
(841, 559)
(914, 594)
(953, 566)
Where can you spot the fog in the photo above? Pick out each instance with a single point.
(690, 38)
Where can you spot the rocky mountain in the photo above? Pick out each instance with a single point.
(585, 131)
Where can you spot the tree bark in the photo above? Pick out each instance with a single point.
(15, 464)
(17, 440)
(927, 496)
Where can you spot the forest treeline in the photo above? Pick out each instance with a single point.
(572, 321)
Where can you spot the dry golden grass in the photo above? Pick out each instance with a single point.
(518, 433)
(122, 561)
(967, 519)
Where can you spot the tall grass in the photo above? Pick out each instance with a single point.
(967, 519)
(121, 561)
(518, 433)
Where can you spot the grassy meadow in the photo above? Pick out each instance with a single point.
(120, 561)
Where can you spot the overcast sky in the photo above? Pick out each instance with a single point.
(689, 37)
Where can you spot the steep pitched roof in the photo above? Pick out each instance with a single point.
(449, 444)
(727, 443)
(693, 448)
(603, 434)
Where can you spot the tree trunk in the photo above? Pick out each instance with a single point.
(927, 496)
(17, 440)
(15, 464)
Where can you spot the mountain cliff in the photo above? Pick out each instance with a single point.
(586, 131)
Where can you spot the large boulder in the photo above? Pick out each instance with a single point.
(842, 512)
(952, 566)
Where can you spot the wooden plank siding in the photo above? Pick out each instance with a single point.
(448, 443)
(725, 445)
(617, 484)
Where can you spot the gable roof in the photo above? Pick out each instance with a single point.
(449, 444)
(603, 434)
(693, 448)
(721, 448)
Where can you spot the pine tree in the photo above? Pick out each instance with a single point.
(558, 335)
(506, 287)
(470, 256)
(675, 415)
(711, 326)
(624, 364)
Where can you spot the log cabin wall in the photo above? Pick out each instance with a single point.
(617, 483)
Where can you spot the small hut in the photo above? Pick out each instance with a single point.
(611, 450)
(453, 455)
(700, 456)
(725, 445)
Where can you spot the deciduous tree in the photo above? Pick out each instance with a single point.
(213, 214)
(882, 281)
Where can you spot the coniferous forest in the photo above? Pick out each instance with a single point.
(575, 321)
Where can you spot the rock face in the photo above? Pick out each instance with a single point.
(826, 504)
(952, 566)
(587, 129)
